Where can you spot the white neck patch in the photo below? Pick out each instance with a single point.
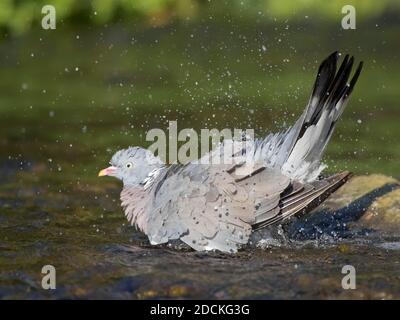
(151, 177)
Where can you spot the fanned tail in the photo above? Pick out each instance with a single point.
(299, 150)
(311, 133)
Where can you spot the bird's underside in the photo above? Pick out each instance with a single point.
(217, 206)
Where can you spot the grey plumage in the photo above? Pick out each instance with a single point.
(217, 206)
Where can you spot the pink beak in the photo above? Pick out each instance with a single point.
(110, 171)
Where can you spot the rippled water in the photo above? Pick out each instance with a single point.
(82, 232)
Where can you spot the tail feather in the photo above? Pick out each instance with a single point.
(303, 145)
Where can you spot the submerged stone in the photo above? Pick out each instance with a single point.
(384, 213)
(371, 202)
(358, 187)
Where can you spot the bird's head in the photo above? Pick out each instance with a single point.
(132, 165)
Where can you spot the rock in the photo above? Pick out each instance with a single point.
(363, 203)
(356, 188)
(373, 201)
(384, 213)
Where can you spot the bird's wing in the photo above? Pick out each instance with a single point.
(302, 197)
(213, 206)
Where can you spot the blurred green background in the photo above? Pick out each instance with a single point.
(114, 69)
(18, 16)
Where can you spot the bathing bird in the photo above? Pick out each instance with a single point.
(217, 206)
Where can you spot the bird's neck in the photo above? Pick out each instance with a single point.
(148, 182)
(135, 200)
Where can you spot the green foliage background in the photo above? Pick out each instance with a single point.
(17, 16)
(114, 69)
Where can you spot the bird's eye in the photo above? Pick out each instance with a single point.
(129, 165)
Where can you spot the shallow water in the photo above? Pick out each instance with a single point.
(82, 232)
(61, 120)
